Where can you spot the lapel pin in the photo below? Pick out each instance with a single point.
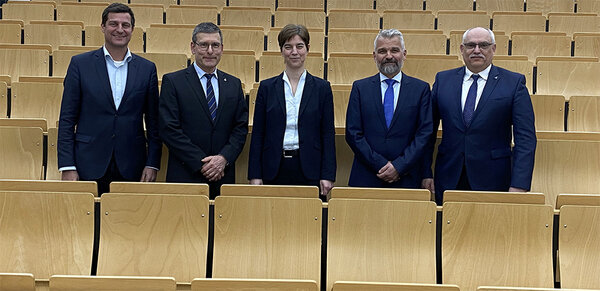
(225, 79)
(495, 77)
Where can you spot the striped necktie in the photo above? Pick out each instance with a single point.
(210, 97)
(470, 102)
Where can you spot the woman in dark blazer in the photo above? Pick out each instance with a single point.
(293, 135)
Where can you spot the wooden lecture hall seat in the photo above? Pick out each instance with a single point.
(383, 5)
(547, 6)
(349, 5)
(245, 38)
(253, 3)
(61, 58)
(54, 33)
(253, 284)
(567, 76)
(10, 31)
(114, 283)
(289, 227)
(537, 44)
(46, 233)
(579, 241)
(159, 188)
(169, 38)
(347, 40)
(363, 19)
(411, 19)
(49, 186)
(461, 20)
(28, 11)
(24, 60)
(164, 3)
(501, 43)
(153, 235)
(367, 238)
(240, 63)
(425, 43)
(436, 5)
(22, 150)
(590, 6)
(490, 6)
(587, 44)
(493, 288)
(584, 114)
(311, 18)
(517, 248)
(519, 64)
(314, 4)
(37, 100)
(218, 3)
(147, 14)
(95, 38)
(270, 191)
(342, 67)
(187, 14)
(166, 62)
(89, 13)
(425, 67)
(17, 282)
(571, 23)
(246, 16)
(372, 286)
(518, 21)
(3, 99)
(549, 112)
(317, 40)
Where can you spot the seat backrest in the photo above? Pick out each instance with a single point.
(571, 23)
(10, 31)
(567, 77)
(549, 6)
(187, 14)
(159, 188)
(510, 21)
(490, 6)
(371, 286)
(95, 38)
(461, 20)
(493, 197)
(363, 19)
(381, 194)
(589, 6)
(271, 64)
(519, 64)
(425, 67)
(425, 43)
(538, 44)
(153, 235)
(49, 186)
(247, 16)
(587, 44)
(218, 3)
(300, 4)
(566, 162)
(270, 191)
(54, 33)
(361, 233)
(254, 284)
(514, 239)
(24, 122)
(103, 283)
(412, 19)
(164, 3)
(253, 3)
(169, 38)
(311, 18)
(436, 5)
(345, 40)
(17, 282)
(583, 114)
(579, 246)
(22, 151)
(549, 112)
(245, 38)
(166, 63)
(500, 288)
(267, 238)
(61, 58)
(24, 60)
(242, 64)
(89, 13)
(147, 14)
(577, 199)
(46, 233)
(342, 67)
(383, 5)
(36, 100)
(350, 5)
(340, 105)
(28, 11)
(3, 99)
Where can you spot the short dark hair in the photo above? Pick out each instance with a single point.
(292, 30)
(206, 27)
(117, 8)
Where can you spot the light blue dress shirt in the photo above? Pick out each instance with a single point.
(117, 74)
(214, 81)
(384, 87)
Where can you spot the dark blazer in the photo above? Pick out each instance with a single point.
(316, 131)
(91, 130)
(484, 148)
(190, 133)
(374, 144)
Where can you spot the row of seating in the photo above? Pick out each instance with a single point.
(382, 5)
(446, 21)
(388, 237)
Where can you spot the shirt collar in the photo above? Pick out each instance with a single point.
(201, 72)
(398, 77)
(483, 74)
(108, 56)
(302, 77)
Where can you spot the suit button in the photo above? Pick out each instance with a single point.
(114, 135)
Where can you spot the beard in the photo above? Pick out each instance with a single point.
(389, 67)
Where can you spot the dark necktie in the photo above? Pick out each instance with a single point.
(210, 97)
(388, 101)
(470, 102)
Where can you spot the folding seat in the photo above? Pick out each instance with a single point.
(219, 3)
(95, 38)
(24, 60)
(351, 5)
(356, 286)
(61, 58)
(247, 16)
(347, 18)
(301, 4)
(271, 64)
(159, 188)
(317, 40)
(413, 19)
(587, 44)
(549, 112)
(22, 150)
(588, 6)
(270, 191)
(549, 6)
(539, 44)
(584, 114)
(242, 64)
(439, 5)
(518, 21)
(164, 3)
(571, 23)
(54, 33)
(383, 5)
(17, 282)
(27, 11)
(490, 6)
(166, 63)
(10, 31)
(342, 67)
(253, 3)
(115, 283)
(567, 77)
(147, 14)
(309, 17)
(253, 284)
(461, 20)
(188, 14)
(37, 100)
(88, 13)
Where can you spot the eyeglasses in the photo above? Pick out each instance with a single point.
(204, 45)
(482, 45)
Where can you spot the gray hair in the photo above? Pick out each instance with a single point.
(489, 31)
(389, 33)
(206, 27)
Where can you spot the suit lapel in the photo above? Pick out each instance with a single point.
(132, 74)
(490, 85)
(100, 64)
(376, 99)
(280, 93)
(196, 86)
(224, 94)
(456, 93)
(307, 93)
(403, 95)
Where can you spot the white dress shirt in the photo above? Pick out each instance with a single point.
(292, 108)
(384, 87)
(467, 81)
(214, 81)
(117, 74)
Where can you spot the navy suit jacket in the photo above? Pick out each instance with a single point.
(374, 144)
(188, 130)
(91, 130)
(316, 131)
(484, 148)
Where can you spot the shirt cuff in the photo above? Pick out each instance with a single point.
(69, 168)
(153, 168)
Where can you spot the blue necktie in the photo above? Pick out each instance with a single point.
(210, 97)
(388, 101)
(470, 102)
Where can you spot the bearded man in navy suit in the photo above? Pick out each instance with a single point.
(108, 94)
(388, 121)
(482, 108)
